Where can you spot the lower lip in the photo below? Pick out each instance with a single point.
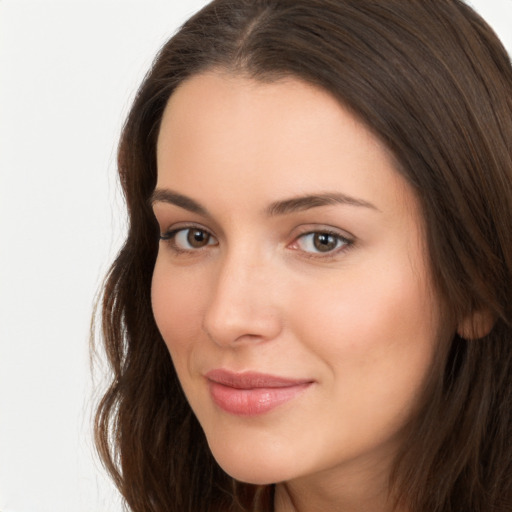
(255, 401)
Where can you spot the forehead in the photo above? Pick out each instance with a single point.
(286, 137)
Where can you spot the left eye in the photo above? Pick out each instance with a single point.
(321, 242)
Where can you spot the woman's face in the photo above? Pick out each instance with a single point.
(291, 284)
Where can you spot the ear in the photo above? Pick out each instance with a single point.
(476, 325)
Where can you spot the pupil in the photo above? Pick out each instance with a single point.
(197, 238)
(325, 242)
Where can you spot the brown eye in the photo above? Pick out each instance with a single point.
(188, 239)
(197, 238)
(325, 242)
(322, 242)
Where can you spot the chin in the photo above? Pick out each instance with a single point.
(250, 468)
(249, 474)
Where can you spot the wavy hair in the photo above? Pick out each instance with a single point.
(433, 82)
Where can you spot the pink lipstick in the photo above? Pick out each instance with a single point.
(251, 393)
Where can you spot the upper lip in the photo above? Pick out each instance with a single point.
(252, 380)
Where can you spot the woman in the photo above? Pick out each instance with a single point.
(312, 310)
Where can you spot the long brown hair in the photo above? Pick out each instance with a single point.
(433, 82)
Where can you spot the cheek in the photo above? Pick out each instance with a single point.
(177, 308)
(376, 331)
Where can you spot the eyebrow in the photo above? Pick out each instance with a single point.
(282, 207)
(297, 204)
(161, 195)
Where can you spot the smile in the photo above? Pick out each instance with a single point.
(251, 394)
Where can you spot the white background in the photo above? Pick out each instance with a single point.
(68, 72)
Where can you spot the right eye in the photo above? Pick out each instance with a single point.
(188, 239)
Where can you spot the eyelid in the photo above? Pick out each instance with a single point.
(165, 234)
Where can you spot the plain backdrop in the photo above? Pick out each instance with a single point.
(68, 72)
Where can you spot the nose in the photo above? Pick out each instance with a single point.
(243, 305)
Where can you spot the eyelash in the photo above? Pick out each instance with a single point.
(342, 242)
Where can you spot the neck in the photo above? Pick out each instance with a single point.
(336, 492)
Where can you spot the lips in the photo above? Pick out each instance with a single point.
(252, 393)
